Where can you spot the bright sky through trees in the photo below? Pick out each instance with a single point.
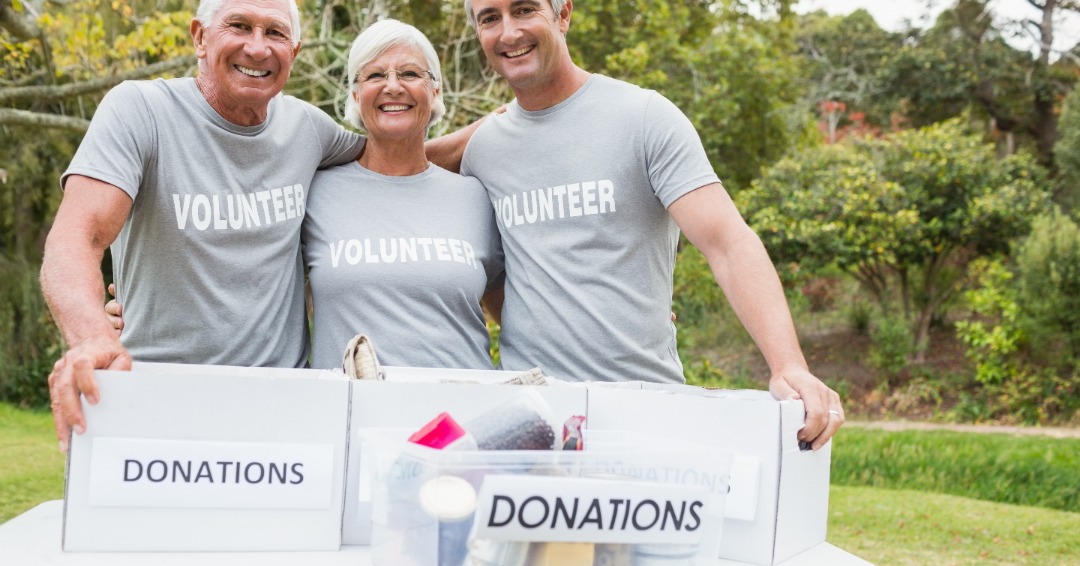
(896, 15)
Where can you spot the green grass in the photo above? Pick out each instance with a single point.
(31, 465)
(884, 526)
(901, 527)
(1029, 470)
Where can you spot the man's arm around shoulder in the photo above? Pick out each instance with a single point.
(90, 217)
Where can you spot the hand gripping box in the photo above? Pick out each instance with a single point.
(778, 503)
(410, 398)
(209, 458)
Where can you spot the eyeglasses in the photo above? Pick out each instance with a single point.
(407, 75)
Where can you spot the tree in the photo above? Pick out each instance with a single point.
(964, 64)
(841, 56)
(1067, 150)
(904, 215)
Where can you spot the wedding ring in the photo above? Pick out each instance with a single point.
(837, 413)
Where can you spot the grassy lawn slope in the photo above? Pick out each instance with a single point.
(900, 527)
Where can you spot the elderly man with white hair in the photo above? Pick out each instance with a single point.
(200, 186)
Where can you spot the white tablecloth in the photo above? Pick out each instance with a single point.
(33, 538)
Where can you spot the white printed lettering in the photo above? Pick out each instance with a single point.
(181, 210)
(251, 210)
(369, 253)
(335, 253)
(530, 215)
(200, 221)
(546, 210)
(573, 198)
(301, 200)
(559, 191)
(236, 211)
(426, 243)
(385, 255)
(440, 249)
(470, 255)
(279, 205)
(588, 197)
(264, 199)
(455, 250)
(401, 250)
(290, 206)
(607, 196)
(219, 219)
(408, 249)
(352, 252)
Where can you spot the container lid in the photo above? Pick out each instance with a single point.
(448, 498)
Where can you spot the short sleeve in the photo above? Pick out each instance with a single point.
(675, 159)
(118, 147)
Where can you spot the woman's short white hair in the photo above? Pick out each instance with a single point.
(207, 8)
(371, 43)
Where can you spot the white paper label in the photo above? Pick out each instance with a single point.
(127, 472)
(536, 508)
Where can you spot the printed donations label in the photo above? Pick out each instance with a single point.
(127, 472)
(537, 508)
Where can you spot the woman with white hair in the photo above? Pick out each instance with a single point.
(396, 247)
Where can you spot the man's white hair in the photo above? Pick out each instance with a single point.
(207, 8)
(379, 37)
(556, 5)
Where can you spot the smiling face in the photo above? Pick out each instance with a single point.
(524, 41)
(395, 93)
(245, 56)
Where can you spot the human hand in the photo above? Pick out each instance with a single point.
(73, 374)
(115, 311)
(824, 415)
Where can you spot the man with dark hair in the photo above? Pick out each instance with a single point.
(592, 179)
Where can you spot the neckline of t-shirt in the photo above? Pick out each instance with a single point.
(553, 109)
(224, 124)
(399, 179)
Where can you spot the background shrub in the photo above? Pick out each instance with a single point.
(29, 341)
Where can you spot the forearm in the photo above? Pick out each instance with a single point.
(74, 290)
(752, 286)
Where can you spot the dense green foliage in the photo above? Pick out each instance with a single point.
(29, 342)
(1025, 470)
(903, 214)
(1048, 267)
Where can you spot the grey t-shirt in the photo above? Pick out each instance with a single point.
(404, 260)
(580, 192)
(208, 264)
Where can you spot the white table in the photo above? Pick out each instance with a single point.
(33, 538)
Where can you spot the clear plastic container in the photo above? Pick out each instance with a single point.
(455, 530)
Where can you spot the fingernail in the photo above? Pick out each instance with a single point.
(80, 429)
(793, 397)
(63, 447)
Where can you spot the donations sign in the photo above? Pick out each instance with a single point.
(127, 472)
(534, 508)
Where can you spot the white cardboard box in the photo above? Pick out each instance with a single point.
(409, 399)
(209, 458)
(779, 498)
